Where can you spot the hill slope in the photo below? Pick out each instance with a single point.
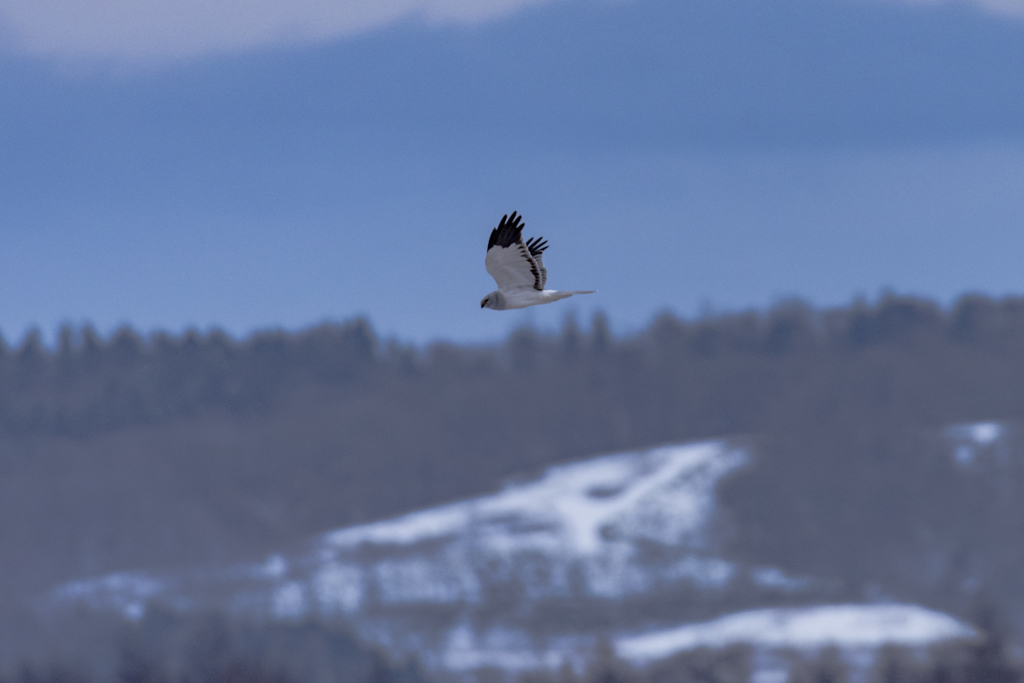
(163, 453)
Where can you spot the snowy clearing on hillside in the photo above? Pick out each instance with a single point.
(847, 626)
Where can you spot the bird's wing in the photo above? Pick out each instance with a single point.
(537, 245)
(509, 260)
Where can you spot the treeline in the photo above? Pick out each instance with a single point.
(88, 384)
(85, 383)
(171, 647)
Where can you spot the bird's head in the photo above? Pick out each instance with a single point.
(492, 300)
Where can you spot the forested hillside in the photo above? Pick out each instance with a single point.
(135, 452)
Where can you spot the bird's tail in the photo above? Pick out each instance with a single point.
(555, 295)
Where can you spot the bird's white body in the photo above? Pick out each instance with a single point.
(521, 297)
(518, 269)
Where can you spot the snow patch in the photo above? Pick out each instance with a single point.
(985, 433)
(274, 568)
(803, 628)
(289, 601)
(339, 586)
(664, 495)
(406, 530)
(772, 577)
(585, 517)
(126, 592)
(969, 439)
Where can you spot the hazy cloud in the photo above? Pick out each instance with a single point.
(1011, 8)
(129, 31)
(160, 30)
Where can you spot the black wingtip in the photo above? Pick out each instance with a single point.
(508, 232)
(537, 245)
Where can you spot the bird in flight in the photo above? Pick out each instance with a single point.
(518, 268)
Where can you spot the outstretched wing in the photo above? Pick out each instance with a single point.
(537, 245)
(509, 260)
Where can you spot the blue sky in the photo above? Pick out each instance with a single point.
(284, 170)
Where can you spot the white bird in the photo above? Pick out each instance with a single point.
(518, 268)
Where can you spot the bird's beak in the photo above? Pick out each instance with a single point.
(483, 303)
